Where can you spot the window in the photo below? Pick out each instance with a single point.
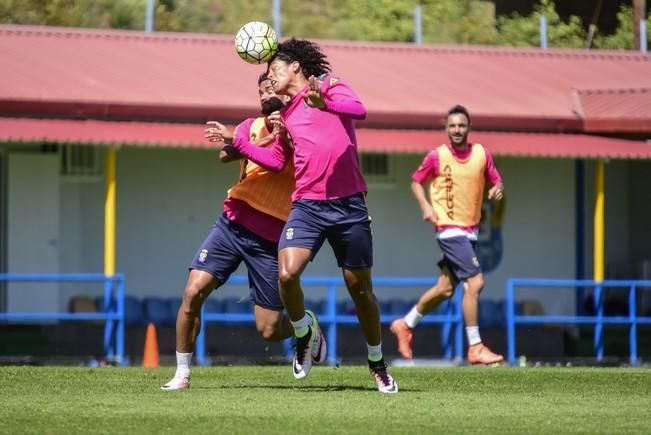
(80, 161)
(378, 168)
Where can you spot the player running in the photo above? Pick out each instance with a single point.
(457, 172)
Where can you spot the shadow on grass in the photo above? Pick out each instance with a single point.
(302, 388)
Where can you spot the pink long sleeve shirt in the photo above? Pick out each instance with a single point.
(325, 145)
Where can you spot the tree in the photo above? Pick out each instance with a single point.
(516, 30)
(444, 21)
(77, 13)
(623, 38)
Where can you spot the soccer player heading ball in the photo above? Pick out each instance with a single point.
(329, 200)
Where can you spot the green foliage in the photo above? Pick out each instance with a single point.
(127, 14)
(460, 22)
(375, 20)
(318, 19)
(516, 30)
(623, 38)
(75, 13)
(19, 12)
(443, 21)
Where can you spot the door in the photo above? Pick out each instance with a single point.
(32, 229)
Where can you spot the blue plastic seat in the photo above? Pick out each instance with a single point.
(320, 306)
(346, 307)
(317, 307)
(99, 303)
(157, 311)
(133, 312)
(385, 307)
(490, 313)
(236, 305)
(212, 305)
(399, 307)
(173, 305)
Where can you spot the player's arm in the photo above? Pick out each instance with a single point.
(493, 176)
(335, 97)
(273, 157)
(418, 190)
(419, 179)
(217, 132)
(229, 154)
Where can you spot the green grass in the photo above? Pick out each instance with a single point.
(264, 400)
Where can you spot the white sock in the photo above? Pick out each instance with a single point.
(301, 326)
(183, 361)
(472, 332)
(413, 317)
(374, 352)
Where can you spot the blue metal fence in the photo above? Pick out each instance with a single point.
(599, 320)
(330, 319)
(113, 313)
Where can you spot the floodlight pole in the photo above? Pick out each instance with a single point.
(276, 15)
(418, 25)
(643, 37)
(150, 15)
(639, 16)
(543, 31)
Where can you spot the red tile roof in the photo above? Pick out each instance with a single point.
(148, 134)
(133, 75)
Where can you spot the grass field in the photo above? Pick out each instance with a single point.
(264, 400)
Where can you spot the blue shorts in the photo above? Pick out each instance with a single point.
(344, 222)
(227, 245)
(460, 257)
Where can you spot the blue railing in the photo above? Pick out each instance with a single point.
(330, 319)
(599, 320)
(113, 313)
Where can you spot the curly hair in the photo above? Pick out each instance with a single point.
(308, 55)
(262, 77)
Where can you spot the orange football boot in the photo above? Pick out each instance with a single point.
(480, 354)
(403, 335)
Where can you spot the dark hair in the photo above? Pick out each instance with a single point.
(308, 55)
(262, 78)
(459, 109)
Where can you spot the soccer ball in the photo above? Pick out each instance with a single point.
(256, 42)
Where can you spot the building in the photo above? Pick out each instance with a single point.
(69, 97)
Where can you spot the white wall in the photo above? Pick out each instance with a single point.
(166, 202)
(82, 234)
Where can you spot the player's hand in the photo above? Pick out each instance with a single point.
(279, 125)
(314, 96)
(216, 132)
(229, 154)
(429, 215)
(496, 192)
